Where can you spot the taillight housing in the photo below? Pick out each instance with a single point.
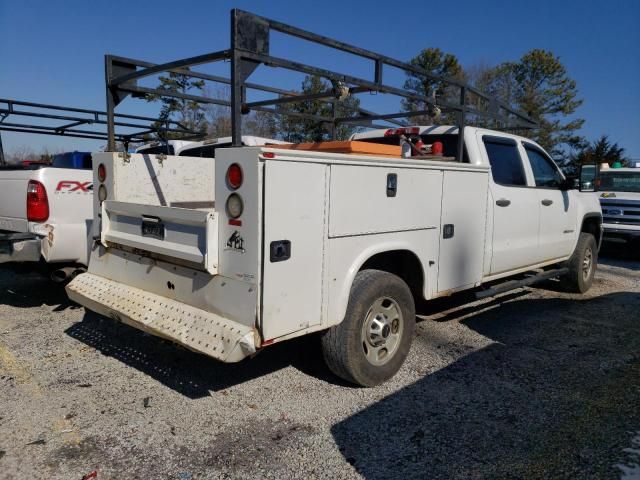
(234, 176)
(102, 172)
(37, 202)
(235, 205)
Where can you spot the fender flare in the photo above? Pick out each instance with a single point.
(597, 215)
(338, 312)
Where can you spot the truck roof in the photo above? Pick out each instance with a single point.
(247, 140)
(430, 130)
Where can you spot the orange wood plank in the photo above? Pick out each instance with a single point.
(363, 148)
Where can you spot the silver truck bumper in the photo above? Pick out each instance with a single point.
(19, 247)
(613, 233)
(191, 327)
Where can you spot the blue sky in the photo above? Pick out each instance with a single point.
(52, 51)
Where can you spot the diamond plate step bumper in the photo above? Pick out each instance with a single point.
(196, 329)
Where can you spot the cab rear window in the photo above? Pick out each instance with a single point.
(166, 149)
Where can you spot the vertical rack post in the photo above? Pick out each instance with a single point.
(461, 121)
(111, 132)
(2, 159)
(236, 84)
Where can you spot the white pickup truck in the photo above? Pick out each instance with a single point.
(620, 201)
(274, 242)
(46, 214)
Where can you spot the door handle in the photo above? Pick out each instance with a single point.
(503, 202)
(546, 202)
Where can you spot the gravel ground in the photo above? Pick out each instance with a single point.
(534, 384)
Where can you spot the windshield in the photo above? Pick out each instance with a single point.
(620, 181)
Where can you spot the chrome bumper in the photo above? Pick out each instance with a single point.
(19, 247)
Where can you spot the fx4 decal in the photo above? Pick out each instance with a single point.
(68, 186)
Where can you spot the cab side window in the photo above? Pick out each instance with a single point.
(506, 164)
(545, 172)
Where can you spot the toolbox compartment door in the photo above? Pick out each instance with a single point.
(294, 245)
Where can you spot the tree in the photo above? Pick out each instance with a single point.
(188, 112)
(218, 117)
(539, 86)
(600, 151)
(435, 62)
(296, 129)
(19, 154)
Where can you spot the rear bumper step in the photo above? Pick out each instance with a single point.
(191, 327)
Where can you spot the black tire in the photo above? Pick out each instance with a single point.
(582, 265)
(349, 348)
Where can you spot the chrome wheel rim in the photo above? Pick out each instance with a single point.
(381, 331)
(587, 264)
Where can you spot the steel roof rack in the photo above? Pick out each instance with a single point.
(72, 118)
(250, 40)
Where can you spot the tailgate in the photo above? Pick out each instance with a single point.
(173, 233)
(13, 200)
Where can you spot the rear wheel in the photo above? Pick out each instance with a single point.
(582, 265)
(373, 340)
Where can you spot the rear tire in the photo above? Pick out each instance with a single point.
(582, 265)
(373, 340)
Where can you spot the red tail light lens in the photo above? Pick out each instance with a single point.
(234, 176)
(37, 202)
(102, 172)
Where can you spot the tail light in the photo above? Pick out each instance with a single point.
(102, 193)
(234, 176)
(37, 202)
(102, 172)
(235, 206)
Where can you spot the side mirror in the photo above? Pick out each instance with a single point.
(588, 177)
(569, 183)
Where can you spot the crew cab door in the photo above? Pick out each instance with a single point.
(557, 231)
(514, 206)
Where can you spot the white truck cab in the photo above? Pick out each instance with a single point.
(620, 201)
(170, 147)
(207, 148)
(273, 242)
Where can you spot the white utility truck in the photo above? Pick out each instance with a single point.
(269, 243)
(272, 242)
(620, 201)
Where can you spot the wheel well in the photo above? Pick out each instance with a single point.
(592, 225)
(404, 264)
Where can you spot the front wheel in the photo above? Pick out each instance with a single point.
(582, 265)
(373, 340)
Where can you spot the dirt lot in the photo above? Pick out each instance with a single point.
(534, 384)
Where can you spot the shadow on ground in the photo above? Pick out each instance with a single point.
(554, 397)
(190, 373)
(621, 255)
(28, 285)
